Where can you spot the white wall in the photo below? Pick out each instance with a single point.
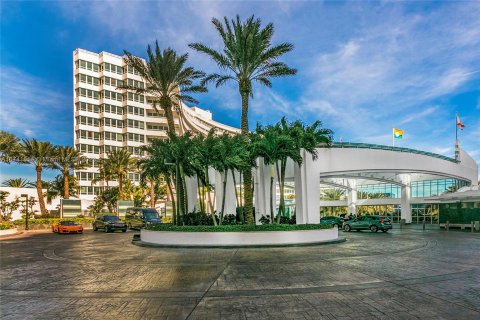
(32, 192)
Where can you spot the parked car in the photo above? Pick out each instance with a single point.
(372, 223)
(109, 224)
(332, 220)
(137, 218)
(64, 227)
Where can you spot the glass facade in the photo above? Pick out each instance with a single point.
(390, 210)
(378, 191)
(431, 188)
(424, 211)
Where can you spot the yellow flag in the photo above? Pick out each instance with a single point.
(397, 133)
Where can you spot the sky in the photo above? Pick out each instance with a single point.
(363, 67)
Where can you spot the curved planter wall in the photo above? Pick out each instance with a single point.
(227, 239)
(8, 232)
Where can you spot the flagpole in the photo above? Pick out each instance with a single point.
(456, 128)
(393, 137)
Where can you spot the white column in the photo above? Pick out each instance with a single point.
(307, 191)
(230, 204)
(192, 193)
(262, 190)
(405, 207)
(352, 196)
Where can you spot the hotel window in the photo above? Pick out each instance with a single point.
(84, 134)
(135, 97)
(92, 163)
(112, 82)
(108, 122)
(87, 65)
(135, 83)
(83, 106)
(136, 137)
(88, 121)
(88, 93)
(112, 95)
(155, 114)
(112, 109)
(86, 148)
(135, 124)
(157, 127)
(132, 70)
(135, 151)
(112, 68)
(112, 136)
(88, 79)
(108, 149)
(136, 111)
(134, 177)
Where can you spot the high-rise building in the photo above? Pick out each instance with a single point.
(106, 118)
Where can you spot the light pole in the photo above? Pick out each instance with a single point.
(26, 210)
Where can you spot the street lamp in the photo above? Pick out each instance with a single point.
(26, 210)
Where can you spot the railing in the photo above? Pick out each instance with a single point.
(389, 148)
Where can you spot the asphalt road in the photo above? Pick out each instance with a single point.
(404, 274)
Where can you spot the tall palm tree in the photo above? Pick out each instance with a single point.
(105, 172)
(120, 162)
(56, 187)
(9, 147)
(248, 56)
(16, 183)
(39, 154)
(167, 79)
(66, 159)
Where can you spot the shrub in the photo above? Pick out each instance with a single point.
(196, 219)
(6, 225)
(229, 219)
(52, 220)
(238, 228)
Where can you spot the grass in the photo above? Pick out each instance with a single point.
(238, 228)
(52, 220)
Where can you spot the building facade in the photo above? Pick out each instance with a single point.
(106, 118)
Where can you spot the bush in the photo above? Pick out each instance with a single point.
(283, 220)
(6, 225)
(238, 228)
(229, 219)
(52, 220)
(196, 219)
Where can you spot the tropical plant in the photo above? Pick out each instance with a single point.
(39, 154)
(7, 207)
(105, 172)
(10, 148)
(167, 79)
(330, 194)
(66, 159)
(119, 162)
(56, 187)
(248, 56)
(16, 183)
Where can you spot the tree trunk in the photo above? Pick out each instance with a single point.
(174, 214)
(41, 200)
(179, 191)
(152, 193)
(247, 174)
(224, 195)
(200, 194)
(271, 200)
(185, 191)
(167, 107)
(210, 202)
(120, 186)
(235, 188)
(66, 185)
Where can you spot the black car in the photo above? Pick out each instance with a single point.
(137, 218)
(109, 224)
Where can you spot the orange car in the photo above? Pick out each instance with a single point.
(67, 227)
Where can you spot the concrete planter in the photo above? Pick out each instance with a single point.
(8, 232)
(232, 239)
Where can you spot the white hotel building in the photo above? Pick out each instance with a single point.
(398, 182)
(106, 118)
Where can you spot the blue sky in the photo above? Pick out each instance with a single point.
(363, 67)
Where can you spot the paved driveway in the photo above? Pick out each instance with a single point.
(405, 274)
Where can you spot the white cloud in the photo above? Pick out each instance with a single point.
(419, 115)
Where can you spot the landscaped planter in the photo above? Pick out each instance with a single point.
(8, 232)
(44, 226)
(232, 239)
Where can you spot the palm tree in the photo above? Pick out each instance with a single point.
(16, 183)
(39, 153)
(56, 187)
(105, 172)
(9, 147)
(247, 57)
(167, 79)
(120, 162)
(66, 159)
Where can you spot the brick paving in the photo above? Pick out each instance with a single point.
(404, 274)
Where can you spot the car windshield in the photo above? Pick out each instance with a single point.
(111, 218)
(67, 223)
(150, 214)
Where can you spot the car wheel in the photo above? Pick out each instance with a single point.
(335, 225)
(95, 228)
(124, 230)
(347, 228)
(373, 228)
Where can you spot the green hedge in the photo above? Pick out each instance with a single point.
(463, 213)
(52, 220)
(238, 228)
(6, 225)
